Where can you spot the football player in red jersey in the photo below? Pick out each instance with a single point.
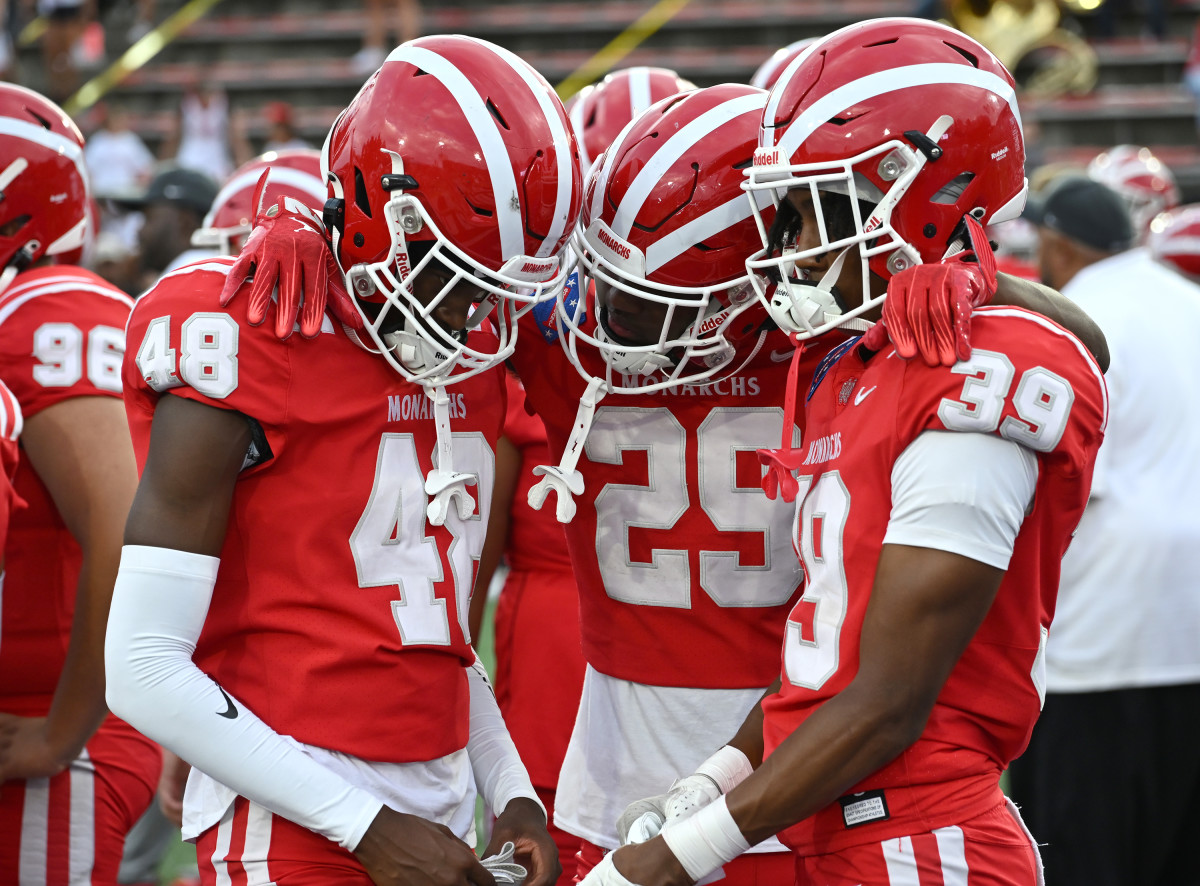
(539, 662)
(72, 779)
(11, 421)
(934, 503)
(290, 612)
(678, 590)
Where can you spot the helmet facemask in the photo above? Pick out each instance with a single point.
(404, 328)
(854, 223)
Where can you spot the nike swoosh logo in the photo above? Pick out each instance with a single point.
(862, 395)
(230, 713)
(780, 356)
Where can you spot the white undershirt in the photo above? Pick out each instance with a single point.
(963, 493)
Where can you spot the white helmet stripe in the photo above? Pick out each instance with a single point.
(700, 229)
(673, 149)
(610, 158)
(639, 90)
(577, 124)
(505, 192)
(562, 142)
(280, 175)
(39, 135)
(876, 84)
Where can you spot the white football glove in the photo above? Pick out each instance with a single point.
(502, 867)
(719, 774)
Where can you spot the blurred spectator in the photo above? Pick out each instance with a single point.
(174, 205)
(118, 161)
(407, 21)
(8, 56)
(143, 22)
(65, 24)
(1191, 72)
(1110, 782)
(1155, 12)
(201, 139)
(281, 136)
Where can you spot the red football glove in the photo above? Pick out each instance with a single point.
(928, 307)
(287, 247)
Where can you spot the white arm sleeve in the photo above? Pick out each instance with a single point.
(500, 775)
(159, 605)
(962, 493)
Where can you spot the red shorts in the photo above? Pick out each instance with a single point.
(71, 828)
(993, 849)
(755, 869)
(251, 846)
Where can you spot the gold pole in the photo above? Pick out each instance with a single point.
(137, 55)
(620, 46)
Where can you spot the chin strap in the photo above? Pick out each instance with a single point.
(443, 483)
(564, 479)
(781, 463)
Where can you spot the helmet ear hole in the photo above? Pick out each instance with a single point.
(361, 200)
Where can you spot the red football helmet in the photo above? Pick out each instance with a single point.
(455, 152)
(896, 128)
(666, 221)
(770, 70)
(44, 191)
(1141, 178)
(1174, 238)
(295, 173)
(603, 110)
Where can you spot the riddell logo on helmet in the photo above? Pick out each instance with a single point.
(612, 243)
(713, 323)
(765, 157)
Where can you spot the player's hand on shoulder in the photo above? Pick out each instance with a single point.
(25, 751)
(928, 307)
(523, 824)
(407, 850)
(286, 253)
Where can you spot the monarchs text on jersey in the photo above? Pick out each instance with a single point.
(1027, 381)
(339, 613)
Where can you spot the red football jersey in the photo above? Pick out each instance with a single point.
(1027, 381)
(339, 613)
(684, 566)
(10, 454)
(61, 336)
(536, 542)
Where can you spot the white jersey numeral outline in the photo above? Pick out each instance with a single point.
(59, 348)
(666, 580)
(391, 544)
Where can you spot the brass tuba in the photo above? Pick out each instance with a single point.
(1046, 59)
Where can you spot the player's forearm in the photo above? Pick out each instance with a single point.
(749, 737)
(499, 772)
(1056, 306)
(159, 606)
(851, 736)
(78, 707)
